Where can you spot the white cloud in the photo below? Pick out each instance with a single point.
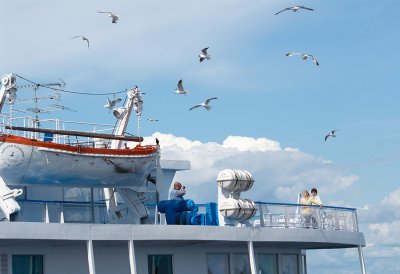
(383, 234)
(280, 173)
(251, 144)
(393, 199)
(381, 226)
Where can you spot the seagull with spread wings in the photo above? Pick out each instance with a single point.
(294, 9)
(83, 39)
(114, 17)
(204, 55)
(180, 89)
(111, 103)
(205, 104)
(303, 56)
(332, 133)
(152, 120)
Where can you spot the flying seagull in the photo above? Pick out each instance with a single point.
(205, 104)
(204, 55)
(303, 56)
(83, 39)
(113, 16)
(111, 103)
(294, 8)
(152, 120)
(180, 89)
(332, 133)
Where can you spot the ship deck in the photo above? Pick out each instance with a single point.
(181, 235)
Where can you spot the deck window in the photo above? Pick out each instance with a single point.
(27, 264)
(78, 213)
(241, 263)
(218, 263)
(290, 264)
(267, 264)
(160, 264)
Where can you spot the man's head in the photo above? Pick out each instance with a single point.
(177, 185)
(305, 193)
(314, 192)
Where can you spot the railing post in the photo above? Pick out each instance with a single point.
(319, 219)
(355, 221)
(286, 218)
(262, 222)
(61, 213)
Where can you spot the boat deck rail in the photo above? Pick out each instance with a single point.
(272, 215)
(57, 124)
(286, 215)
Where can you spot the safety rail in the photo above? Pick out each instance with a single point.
(29, 121)
(283, 215)
(273, 215)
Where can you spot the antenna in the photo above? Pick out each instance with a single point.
(37, 86)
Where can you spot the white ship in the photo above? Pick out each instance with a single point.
(94, 206)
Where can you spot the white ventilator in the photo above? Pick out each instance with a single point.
(233, 210)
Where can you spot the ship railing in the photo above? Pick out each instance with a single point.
(63, 211)
(283, 215)
(56, 211)
(29, 121)
(272, 215)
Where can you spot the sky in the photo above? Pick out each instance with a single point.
(272, 111)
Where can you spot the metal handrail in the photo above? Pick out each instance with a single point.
(272, 215)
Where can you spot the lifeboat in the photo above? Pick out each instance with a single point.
(25, 161)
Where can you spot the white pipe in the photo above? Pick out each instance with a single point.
(91, 264)
(132, 260)
(46, 214)
(251, 258)
(362, 263)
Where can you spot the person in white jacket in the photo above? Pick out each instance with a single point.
(177, 192)
(315, 200)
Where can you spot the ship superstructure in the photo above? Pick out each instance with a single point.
(90, 205)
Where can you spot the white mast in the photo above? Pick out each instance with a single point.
(8, 89)
(123, 113)
(131, 199)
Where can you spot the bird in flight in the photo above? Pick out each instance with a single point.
(204, 55)
(152, 120)
(83, 39)
(180, 89)
(205, 104)
(332, 133)
(111, 103)
(114, 17)
(294, 9)
(303, 56)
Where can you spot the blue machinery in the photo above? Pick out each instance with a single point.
(185, 212)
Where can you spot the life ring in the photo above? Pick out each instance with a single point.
(4, 81)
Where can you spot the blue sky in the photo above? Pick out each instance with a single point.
(284, 105)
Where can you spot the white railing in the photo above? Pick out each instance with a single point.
(272, 215)
(280, 215)
(28, 121)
